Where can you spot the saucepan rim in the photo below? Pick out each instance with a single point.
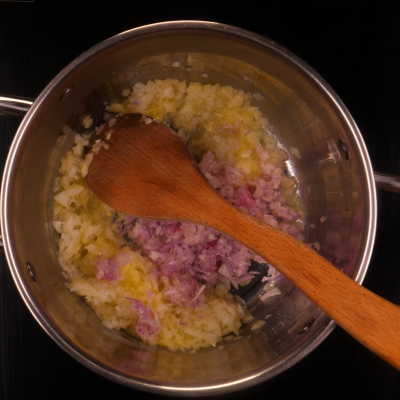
(243, 34)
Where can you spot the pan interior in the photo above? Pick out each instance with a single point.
(332, 171)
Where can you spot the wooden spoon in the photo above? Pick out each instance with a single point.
(147, 171)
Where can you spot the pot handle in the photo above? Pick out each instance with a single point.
(14, 105)
(390, 183)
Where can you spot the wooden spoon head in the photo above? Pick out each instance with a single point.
(146, 170)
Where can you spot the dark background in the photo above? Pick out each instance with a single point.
(354, 45)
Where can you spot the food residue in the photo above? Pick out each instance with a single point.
(168, 283)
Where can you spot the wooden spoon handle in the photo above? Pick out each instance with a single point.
(147, 171)
(371, 320)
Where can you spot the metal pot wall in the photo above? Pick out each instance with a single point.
(334, 174)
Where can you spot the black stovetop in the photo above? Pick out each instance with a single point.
(356, 48)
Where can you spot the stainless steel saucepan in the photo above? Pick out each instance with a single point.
(335, 179)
